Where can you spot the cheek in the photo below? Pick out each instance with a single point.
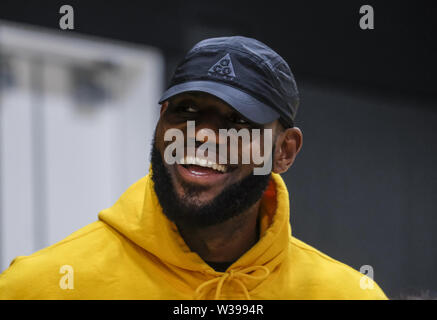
(161, 129)
(255, 149)
(247, 152)
(159, 141)
(259, 149)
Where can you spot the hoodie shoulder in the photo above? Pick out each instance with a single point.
(326, 278)
(45, 273)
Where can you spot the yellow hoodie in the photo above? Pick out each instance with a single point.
(134, 252)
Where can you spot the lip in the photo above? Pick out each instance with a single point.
(206, 179)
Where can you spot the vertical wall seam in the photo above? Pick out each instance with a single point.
(38, 153)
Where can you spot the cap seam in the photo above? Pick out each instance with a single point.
(230, 47)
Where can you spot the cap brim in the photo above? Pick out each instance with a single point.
(251, 108)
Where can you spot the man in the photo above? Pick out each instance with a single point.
(202, 225)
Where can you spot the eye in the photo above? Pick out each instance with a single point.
(187, 109)
(235, 118)
(190, 109)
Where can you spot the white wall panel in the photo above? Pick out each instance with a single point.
(17, 232)
(63, 159)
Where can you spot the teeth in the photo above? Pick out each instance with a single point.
(203, 163)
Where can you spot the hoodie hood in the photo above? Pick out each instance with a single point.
(139, 217)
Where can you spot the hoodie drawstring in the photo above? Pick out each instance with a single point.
(232, 275)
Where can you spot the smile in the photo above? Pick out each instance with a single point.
(201, 171)
(190, 161)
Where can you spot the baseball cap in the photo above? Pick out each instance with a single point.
(243, 72)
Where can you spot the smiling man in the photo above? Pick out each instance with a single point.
(210, 220)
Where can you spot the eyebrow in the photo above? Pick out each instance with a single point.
(185, 100)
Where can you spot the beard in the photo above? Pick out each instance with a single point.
(188, 210)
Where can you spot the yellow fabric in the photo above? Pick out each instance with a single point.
(232, 275)
(134, 252)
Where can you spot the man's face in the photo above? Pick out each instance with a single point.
(196, 187)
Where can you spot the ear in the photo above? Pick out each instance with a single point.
(164, 107)
(287, 145)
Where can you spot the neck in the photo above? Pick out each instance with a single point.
(227, 241)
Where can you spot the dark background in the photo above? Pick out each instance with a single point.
(362, 188)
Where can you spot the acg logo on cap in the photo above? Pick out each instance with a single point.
(223, 68)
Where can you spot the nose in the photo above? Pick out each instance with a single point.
(205, 133)
(207, 128)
